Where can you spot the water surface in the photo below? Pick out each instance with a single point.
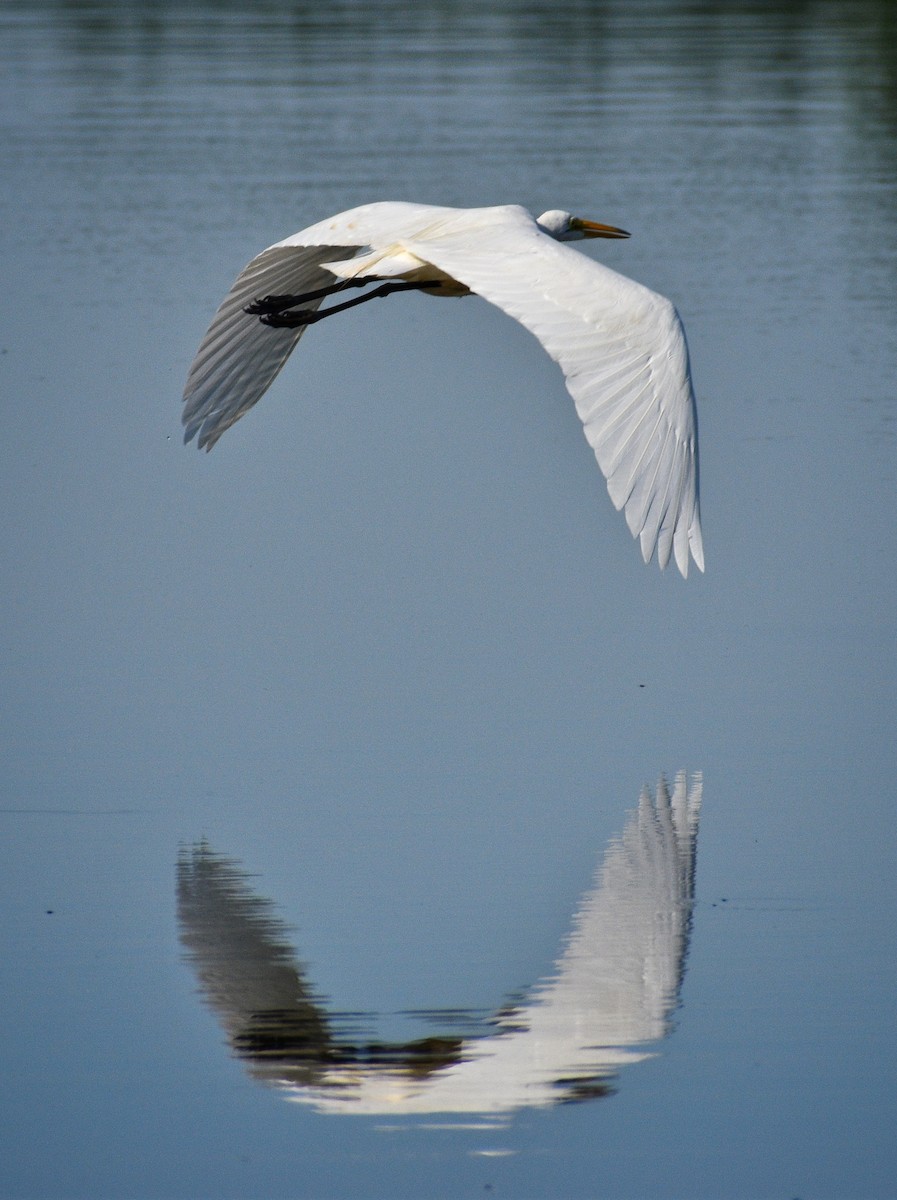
(388, 658)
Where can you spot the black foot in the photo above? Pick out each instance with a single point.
(290, 320)
(269, 304)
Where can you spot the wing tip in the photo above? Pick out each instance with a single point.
(682, 547)
(203, 430)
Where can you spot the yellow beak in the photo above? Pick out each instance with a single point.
(592, 229)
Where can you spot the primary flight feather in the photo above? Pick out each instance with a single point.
(620, 346)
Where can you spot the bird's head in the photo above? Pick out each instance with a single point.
(564, 227)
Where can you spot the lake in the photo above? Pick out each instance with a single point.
(374, 822)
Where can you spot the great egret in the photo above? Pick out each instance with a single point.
(620, 346)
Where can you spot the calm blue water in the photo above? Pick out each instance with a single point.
(340, 767)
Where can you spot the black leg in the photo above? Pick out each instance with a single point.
(275, 304)
(304, 316)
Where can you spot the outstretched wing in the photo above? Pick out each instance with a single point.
(621, 346)
(239, 357)
(623, 353)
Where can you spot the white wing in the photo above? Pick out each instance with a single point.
(239, 357)
(621, 346)
(623, 353)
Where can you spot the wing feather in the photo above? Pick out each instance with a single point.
(620, 346)
(239, 357)
(623, 353)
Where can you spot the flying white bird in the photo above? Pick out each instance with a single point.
(620, 346)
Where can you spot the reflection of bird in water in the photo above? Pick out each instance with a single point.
(620, 346)
(611, 994)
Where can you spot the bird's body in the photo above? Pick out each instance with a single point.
(620, 346)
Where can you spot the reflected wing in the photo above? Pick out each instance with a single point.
(618, 980)
(610, 998)
(239, 357)
(613, 991)
(247, 971)
(623, 353)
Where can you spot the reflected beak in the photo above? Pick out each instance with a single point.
(592, 229)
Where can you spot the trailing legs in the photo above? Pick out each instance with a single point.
(272, 310)
(273, 304)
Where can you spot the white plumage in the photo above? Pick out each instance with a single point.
(620, 346)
